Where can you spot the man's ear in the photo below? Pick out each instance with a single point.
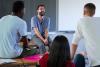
(94, 12)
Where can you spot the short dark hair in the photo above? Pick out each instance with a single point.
(18, 6)
(90, 6)
(40, 6)
(59, 52)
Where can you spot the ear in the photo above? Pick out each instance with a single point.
(93, 12)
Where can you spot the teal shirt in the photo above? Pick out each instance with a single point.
(10, 26)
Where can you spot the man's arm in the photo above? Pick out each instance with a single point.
(73, 50)
(46, 37)
(24, 40)
(76, 38)
(22, 32)
(46, 33)
(37, 33)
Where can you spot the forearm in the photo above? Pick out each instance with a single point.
(46, 34)
(73, 50)
(24, 40)
(37, 33)
(40, 36)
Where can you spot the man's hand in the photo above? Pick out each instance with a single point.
(73, 50)
(45, 41)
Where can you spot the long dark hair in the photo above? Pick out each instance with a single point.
(59, 52)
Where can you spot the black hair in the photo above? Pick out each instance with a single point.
(59, 52)
(18, 6)
(40, 6)
(90, 6)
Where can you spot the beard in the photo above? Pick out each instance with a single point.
(42, 13)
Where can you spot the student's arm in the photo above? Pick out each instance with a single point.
(22, 30)
(76, 38)
(73, 50)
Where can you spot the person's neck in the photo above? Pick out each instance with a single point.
(88, 16)
(18, 15)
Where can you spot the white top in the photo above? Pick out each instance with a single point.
(11, 28)
(88, 28)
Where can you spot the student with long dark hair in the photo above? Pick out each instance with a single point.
(59, 55)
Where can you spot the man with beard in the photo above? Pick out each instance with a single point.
(39, 28)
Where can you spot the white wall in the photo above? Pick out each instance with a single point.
(69, 12)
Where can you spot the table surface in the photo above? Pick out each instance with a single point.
(18, 63)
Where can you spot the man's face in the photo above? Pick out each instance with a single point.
(41, 11)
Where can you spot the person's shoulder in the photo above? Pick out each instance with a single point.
(34, 17)
(20, 20)
(46, 17)
(81, 21)
(85, 19)
(4, 17)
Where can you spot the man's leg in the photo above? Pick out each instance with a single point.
(79, 60)
(40, 44)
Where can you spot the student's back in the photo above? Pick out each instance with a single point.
(9, 28)
(89, 28)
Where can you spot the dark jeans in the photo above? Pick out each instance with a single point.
(79, 61)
